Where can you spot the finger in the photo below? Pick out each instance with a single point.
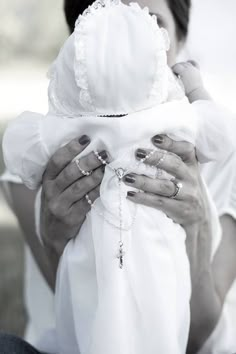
(73, 172)
(167, 205)
(161, 187)
(183, 149)
(194, 63)
(80, 188)
(179, 68)
(164, 160)
(83, 206)
(64, 155)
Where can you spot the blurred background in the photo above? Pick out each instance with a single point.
(31, 33)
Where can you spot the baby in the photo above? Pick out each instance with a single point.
(123, 284)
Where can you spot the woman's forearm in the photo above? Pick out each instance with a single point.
(206, 305)
(25, 215)
(224, 262)
(211, 280)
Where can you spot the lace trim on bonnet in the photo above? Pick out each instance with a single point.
(157, 96)
(163, 73)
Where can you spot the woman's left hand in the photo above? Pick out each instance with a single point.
(178, 158)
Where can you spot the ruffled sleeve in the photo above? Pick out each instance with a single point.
(220, 177)
(217, 131)
(24, 152)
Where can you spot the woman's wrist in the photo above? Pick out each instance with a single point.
(206, 304)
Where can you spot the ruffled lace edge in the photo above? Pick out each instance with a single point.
(163, 74)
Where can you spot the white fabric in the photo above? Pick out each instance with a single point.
(123, 152)
(140, 308)
(111, 35)
(220, 178)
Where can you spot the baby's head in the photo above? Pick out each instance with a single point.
(114, 63)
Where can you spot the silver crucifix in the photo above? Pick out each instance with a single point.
(121, 254)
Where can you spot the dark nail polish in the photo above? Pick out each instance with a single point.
(158, 139)
(130, 178)
(84, 139)
(130, 194)
(103, 155)
(141, 154)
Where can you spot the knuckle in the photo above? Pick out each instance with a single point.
(166, 187)
(94, 194)
(97, 176)
(190, 152)
(168, 143)
(93, 160)
(158, 203)
(177, 164)
(56, 161)
(187, 210)
(193, 208)
(76, 187)
(71, 220)
(47, 189)
(73, 147)
(143, 183)
(53, 208)
(85, 163)
(65, 174)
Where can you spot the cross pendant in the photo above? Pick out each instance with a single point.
(120, 256)
(120, 172)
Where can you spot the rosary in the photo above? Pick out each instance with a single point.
(120, 173)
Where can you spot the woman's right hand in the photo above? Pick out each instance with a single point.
(63, 203)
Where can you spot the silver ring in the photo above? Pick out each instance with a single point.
(88, 200)
(85, 173)
(162, 159)
(178, 186)
(104, 162)
(159, 173)
(147, 156)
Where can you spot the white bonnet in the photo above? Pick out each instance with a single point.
(114, 63)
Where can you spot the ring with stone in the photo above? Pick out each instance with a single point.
(178, 187)
(85, 173)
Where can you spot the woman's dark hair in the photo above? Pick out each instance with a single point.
(181, 12)
(179, 8)
(74, 8)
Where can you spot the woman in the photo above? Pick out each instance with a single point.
(59, 218)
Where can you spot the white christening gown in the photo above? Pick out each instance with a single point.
(102, 308)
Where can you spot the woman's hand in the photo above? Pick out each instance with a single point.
(64, 206)
(189, 208)
(178, 159)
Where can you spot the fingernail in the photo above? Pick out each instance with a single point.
(141, 154)
(103, 155)
(130, 178)
(158, 139)
(130, 194)
(84, 139)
